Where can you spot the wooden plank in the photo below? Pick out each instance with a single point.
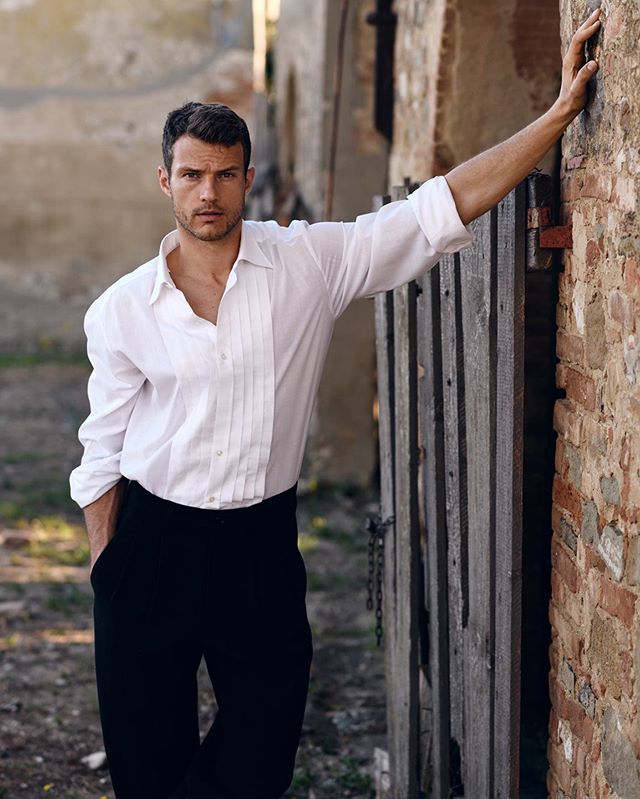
(478, 317)
(511, 259)
(403, 748)
(386, 442)
(404, 751)
(455, 481)
(434, 743)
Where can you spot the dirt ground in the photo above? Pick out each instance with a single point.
(48, 703)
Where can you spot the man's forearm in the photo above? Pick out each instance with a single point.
(101, 518)
(478, 184)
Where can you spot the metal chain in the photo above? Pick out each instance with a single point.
(375, 578)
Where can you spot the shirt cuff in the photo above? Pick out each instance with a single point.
(85, 486)
(438, 217)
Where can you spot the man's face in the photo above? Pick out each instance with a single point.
(207, 187)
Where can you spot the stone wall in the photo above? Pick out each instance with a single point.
(594, 729)
(86, 85)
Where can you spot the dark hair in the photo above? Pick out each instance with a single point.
(213, 123)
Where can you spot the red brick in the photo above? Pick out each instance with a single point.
(581, 761)
(632, 275)
(592, 559)
(617, 600)
(593, 254)
(621, 309)
(579, 387)
(570, 348)
(568, 498)
(564, 566)
(597, 185)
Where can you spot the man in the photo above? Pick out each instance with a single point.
(206, 363)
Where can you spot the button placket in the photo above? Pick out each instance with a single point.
(224, 402)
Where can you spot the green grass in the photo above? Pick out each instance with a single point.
(12, 360)
(14, 458)
(352, 778)
(303, 779)
(67, 598)
(42, 496)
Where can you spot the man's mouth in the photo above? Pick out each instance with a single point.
(209, 215)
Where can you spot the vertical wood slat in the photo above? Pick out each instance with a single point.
(472, 483)
(386, 440)
(453, 388)
(510, 268)
(434, 776)
(403, 752)
(478, 318)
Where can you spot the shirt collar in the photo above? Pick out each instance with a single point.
(249, 251)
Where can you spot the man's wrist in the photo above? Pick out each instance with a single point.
(561, 115)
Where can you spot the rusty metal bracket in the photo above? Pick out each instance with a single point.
(542, 235)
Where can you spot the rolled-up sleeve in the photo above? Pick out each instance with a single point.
(113, 387)
(382, 250)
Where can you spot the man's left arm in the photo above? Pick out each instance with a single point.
(478, 184)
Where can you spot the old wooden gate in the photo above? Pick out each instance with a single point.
(450, 392)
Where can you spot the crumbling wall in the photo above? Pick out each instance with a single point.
(469, 75)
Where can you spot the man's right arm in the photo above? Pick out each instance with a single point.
(97, 484)
(101, 517)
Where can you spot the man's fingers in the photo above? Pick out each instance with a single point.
(576, 48)
(581, 79)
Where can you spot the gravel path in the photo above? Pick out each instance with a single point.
(48, 707)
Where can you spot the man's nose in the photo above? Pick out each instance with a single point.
(208, 189)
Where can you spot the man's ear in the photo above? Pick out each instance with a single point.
(163, 179)
(251, 174)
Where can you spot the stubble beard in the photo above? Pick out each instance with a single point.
(204, 234)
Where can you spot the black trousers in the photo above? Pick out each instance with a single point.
(177, 583)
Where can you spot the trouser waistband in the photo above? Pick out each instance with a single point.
(282, 502)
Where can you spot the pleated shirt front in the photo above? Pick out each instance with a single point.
(217, 416)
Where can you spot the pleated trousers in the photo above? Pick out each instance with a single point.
(176, 584)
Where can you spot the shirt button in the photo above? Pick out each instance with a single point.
(223, 355)
(212, 499)
(219, 452)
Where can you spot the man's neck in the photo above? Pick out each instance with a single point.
(205, 259)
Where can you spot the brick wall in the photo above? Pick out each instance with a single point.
(594, 744)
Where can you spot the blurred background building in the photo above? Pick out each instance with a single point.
(85, 88)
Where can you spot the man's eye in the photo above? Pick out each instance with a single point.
(191, 174)
(228, 174)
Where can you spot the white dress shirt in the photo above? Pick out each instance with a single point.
(217, 416)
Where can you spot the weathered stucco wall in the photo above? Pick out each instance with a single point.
(86, 86)
(594, 728)
(469, 75)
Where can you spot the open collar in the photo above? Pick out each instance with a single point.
(249, 251)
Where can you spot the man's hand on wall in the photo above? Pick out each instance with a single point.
(575, 73)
